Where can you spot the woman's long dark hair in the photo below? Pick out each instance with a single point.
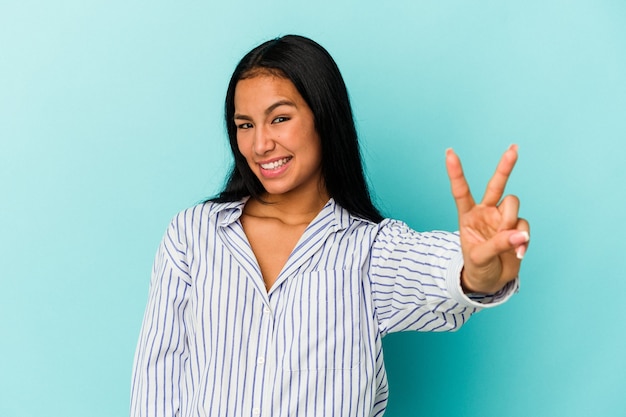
(316, 76)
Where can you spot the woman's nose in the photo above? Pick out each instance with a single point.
(263, 141)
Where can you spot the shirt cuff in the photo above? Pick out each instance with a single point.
(475, 300)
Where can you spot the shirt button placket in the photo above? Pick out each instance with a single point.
(270, 356)
(265, 353)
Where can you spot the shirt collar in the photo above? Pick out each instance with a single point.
(227, 213)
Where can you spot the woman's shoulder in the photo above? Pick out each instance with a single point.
(390, 229)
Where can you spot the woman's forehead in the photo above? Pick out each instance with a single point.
(263, 91)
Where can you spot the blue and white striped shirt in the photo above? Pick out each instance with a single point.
(215, 342)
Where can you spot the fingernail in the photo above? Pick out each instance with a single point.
(519, 238)
(520, 252)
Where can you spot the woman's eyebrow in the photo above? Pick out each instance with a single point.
(241, 117)
(268, 110)
(278, 104)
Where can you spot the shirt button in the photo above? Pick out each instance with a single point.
(266, 310)
(260, 360)
(256, 411)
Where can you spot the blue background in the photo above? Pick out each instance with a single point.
(110, 123)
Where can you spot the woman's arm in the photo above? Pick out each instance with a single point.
(161, 351)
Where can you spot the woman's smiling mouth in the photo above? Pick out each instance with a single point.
(270, 166)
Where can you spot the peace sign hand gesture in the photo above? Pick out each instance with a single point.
(493, 238)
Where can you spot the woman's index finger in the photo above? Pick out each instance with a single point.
(497, 183)
(460, 188)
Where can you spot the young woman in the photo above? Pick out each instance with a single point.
(272, 299)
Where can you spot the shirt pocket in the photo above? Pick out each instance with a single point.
(322, 325)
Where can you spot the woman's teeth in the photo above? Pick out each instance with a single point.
(275, 164)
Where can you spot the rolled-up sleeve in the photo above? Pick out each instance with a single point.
(416, 281)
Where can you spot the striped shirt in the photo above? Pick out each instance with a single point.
(214, 342)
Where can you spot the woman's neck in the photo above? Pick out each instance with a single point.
(290, 210)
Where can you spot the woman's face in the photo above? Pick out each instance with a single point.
(276, 134)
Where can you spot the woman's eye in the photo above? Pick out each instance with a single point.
(280, 119)
(244, 126)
